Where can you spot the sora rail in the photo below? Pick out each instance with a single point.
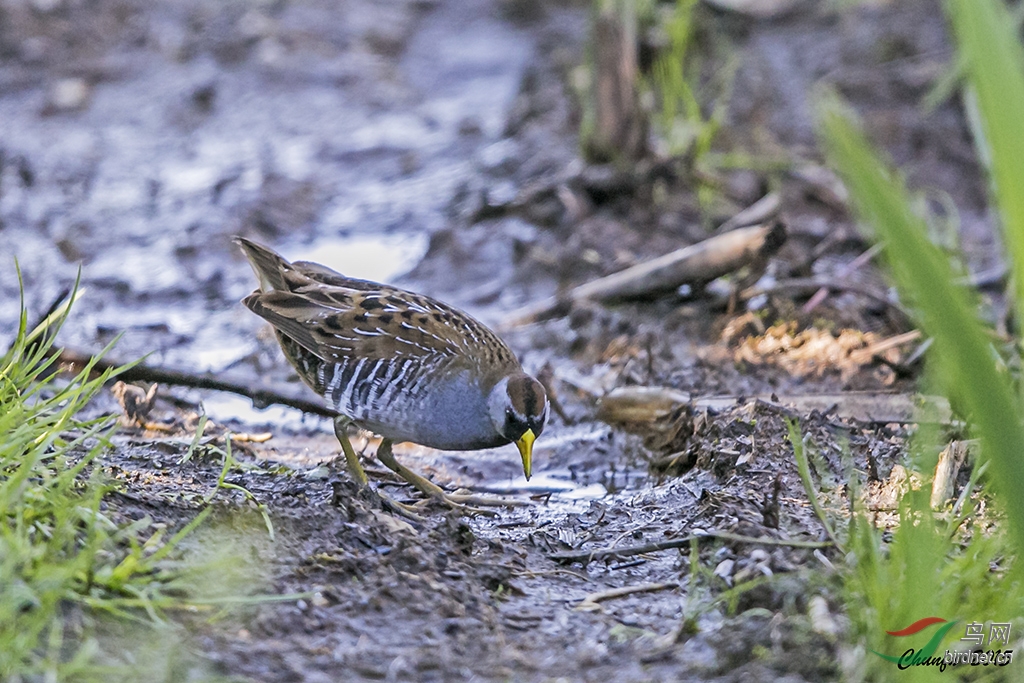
(400, 364)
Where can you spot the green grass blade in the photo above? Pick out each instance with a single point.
(804, 469)
(994, 61)
(200, 428)
(961, 355)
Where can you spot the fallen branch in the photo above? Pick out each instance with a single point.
(639, 405)
(695, 265)
(587, 556)
(143, 373)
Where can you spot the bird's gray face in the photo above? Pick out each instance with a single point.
(519, 410)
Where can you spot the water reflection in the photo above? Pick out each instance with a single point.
(380, 257)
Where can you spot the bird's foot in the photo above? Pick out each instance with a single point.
(461, 504)
(467, 497)
(462, 501)
(410, 512)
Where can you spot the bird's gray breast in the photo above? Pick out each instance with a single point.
(435, 409)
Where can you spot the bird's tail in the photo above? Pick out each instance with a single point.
(268, 265)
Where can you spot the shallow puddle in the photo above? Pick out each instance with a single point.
(381, 257)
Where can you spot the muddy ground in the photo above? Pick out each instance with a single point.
(434, 144)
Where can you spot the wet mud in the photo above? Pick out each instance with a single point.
(434, 145)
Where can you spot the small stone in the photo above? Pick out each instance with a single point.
(67, 94)
(724, 570)
(758, 555)
(499, 156)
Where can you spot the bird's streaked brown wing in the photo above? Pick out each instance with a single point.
(335, 317)
(335, 322)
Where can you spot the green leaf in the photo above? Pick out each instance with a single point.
(994, 61)
(961, 356)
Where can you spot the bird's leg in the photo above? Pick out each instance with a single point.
(429, 488)
(355, 469)
(341, 423)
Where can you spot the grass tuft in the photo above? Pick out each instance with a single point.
(963, 567)
(65, 561)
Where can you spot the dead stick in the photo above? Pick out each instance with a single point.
(587, 556)
(693, 265)
(143, 373)
(589, 602)
(880, 347)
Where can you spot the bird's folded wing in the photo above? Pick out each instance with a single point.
(363, 326)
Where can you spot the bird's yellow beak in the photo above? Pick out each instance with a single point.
(525, 445)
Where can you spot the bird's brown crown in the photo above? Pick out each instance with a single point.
(529, 403)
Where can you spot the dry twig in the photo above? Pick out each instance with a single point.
(587, 556)
(695, 265)
(143, 373)
(589, 603)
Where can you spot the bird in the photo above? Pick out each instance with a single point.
(403, 365)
